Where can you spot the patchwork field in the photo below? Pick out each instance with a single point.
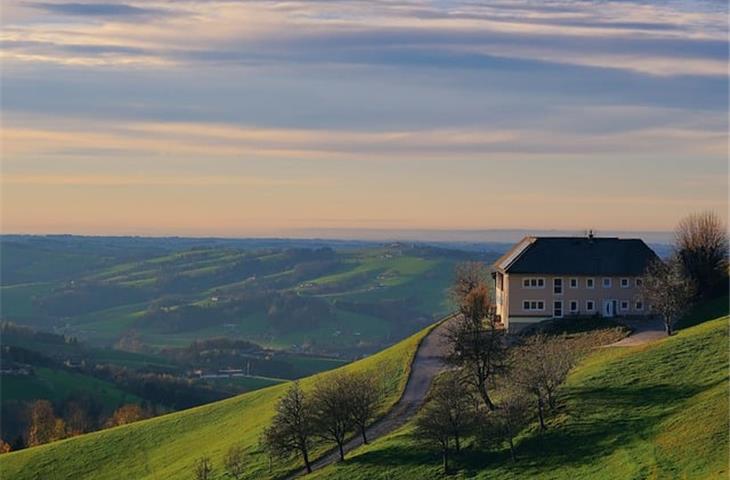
(348, 301)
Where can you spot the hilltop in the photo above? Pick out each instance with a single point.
(654, 411)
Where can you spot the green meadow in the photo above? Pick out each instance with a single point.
(658, 411)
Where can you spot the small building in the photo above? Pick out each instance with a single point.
(552, 277)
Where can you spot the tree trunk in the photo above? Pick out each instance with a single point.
(364, 437)
(457, 443)
(668, 326)
(485, 396)
(540, 413)
(342, 451)
(446, 460)
(551, 400)
(512, 450)
(305, 454)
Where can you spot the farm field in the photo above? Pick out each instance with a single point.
(348, 301)
(56, 385)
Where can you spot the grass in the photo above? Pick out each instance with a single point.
(17, 301)
(57, 385)
(651, 412)
(167, 446)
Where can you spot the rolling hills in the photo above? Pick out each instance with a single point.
(149, 294)
(655, 411)
(167, 446)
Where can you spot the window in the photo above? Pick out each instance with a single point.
(573, 283)
(639, 282)
(558, 308)
(573, 306)
(624, 283)
(639, 306)
(533, 282)
(533, 305)
(606, 282)
(624, 305)
(558, 286)
(590, 283)
(590, 306)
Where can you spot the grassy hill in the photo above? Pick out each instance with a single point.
(166, 447)
(56, 385)
(656, 411)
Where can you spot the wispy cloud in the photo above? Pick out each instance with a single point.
(210, 140)
(102, 10)
(651, 39)
(365, 106)
(191, 180)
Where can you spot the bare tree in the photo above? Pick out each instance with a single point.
(291, 431)
(511, 417)
(540, 365)
(203, 469)
(702, 246)
(235, 462)
(468, 276)
(364, 398)
(667, 290)
(455, 403)
(331, 407)
(434, 428)
(476, 345)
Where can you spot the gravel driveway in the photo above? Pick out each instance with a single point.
(427, 363)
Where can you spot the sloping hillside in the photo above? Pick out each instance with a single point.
(167, 447)
(657, 411)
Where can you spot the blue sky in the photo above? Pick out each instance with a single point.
(254, 117)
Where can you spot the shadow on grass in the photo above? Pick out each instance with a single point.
(603, 420)
(709, 310)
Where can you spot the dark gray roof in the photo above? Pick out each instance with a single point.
(578, 256)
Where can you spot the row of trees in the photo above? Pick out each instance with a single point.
(45, 426)
(338, 405)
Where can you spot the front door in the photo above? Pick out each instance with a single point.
(609, 308)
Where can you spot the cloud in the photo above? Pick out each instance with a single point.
(124, 180)
(105, 10)
(185, 140)
(628, 36)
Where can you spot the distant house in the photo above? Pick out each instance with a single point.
(553, 277)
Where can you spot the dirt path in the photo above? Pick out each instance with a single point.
(643, 331)
(427, 363)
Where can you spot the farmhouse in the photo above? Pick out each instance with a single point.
(552, 277)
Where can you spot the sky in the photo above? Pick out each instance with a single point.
(258, 118)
